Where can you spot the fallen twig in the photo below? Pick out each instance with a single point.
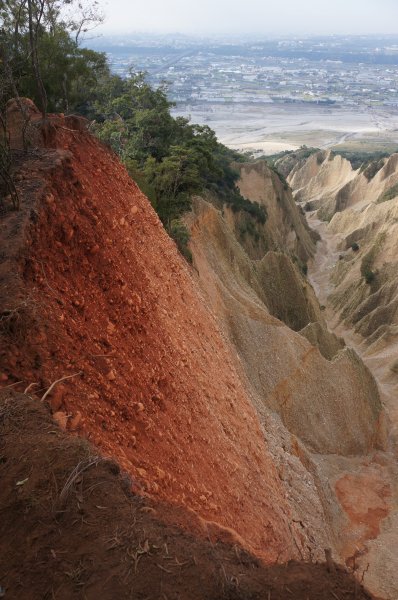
(163, 569)
(11, 385)
(26, 390)
(50, 389)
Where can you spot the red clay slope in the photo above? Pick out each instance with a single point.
(114, 300)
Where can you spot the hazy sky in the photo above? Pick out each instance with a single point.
(252, 16)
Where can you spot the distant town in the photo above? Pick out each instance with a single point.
(333, 70)
(273, 94)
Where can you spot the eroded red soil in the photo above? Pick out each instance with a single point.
(108, 296)
(365, 497)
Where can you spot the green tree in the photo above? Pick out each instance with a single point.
(45, 62)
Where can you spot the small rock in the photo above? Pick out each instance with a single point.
(160, 473)
(111, 376)
(75, 421)
(69, 233)
(110, 328)
(61, 419)
(134, 210)
(148, 509)
(56, 398)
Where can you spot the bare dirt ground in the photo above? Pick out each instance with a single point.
(70, 527)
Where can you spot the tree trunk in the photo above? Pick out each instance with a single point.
(35, 63)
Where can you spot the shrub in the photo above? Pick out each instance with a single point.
(254, 209)
(368, 259)
(180, 234)
(354, 247)
(369, 276)
(363, 160)
(281, 177)
(389, 194)
(372, 168)
(366, 266)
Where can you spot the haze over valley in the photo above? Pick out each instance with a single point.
(274, 94)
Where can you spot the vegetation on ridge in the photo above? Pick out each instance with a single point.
(390, 194)
(170, 158)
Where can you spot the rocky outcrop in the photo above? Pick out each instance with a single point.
(285, 229)
(328, 343)
(320, 180)
(362, 208)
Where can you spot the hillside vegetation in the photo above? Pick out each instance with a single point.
(170, 158)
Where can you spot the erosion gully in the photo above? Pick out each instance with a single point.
(381, 560)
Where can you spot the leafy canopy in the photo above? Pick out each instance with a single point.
(170, 158)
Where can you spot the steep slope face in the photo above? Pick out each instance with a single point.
(93, 288)
(314, 410)
(321, 418)
(282, 366)
(362, 286)
(355, 307)
(285, 229)
(372, 307)
(362, 251)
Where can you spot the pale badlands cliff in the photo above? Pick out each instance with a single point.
(355, 276)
